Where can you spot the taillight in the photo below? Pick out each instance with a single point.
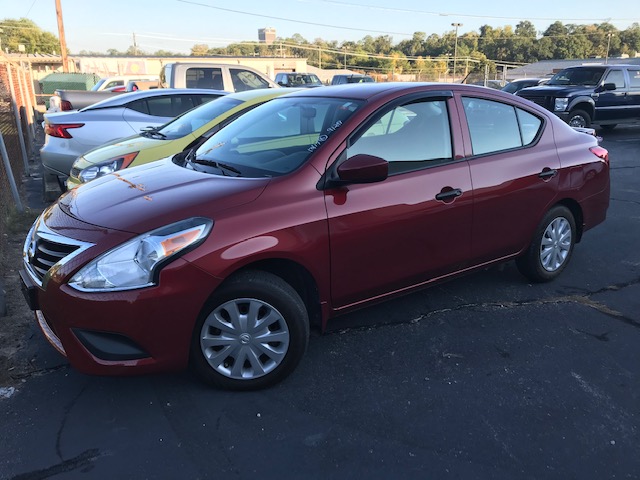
(601, 153)
(60, 129)
(65, 105)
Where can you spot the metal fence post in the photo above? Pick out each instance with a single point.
(12, 180)
(27, 101)
(16, 112)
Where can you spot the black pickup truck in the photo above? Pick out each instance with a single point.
(591, 95)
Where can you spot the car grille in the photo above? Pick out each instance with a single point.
(46, 254)
(43, 249)
(543, 101)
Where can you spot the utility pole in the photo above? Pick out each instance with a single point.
(135, 46)
(455, 50)
(63, 42)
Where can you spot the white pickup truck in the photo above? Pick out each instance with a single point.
(231, 78)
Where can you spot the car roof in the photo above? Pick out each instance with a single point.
(528, 79)
(364, 91)
(127, 97)
(248, 95)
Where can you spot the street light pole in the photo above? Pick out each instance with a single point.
(609, 35)
(455, 50)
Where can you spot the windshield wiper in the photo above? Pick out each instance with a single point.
(152, 132)
(224, 168)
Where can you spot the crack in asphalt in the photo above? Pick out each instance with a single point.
(635, 202)
(582, 299)
(85, 460)
(37, 373)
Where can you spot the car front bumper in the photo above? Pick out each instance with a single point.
(122, 333)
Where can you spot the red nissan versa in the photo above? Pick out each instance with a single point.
(306, 207)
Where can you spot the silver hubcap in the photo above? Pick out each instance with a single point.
(244, 338)
(556, 244)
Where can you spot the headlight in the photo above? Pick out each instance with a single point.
(135, 263)
(103, 168)
(560, 104)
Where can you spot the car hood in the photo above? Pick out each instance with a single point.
(149, 196)
(123, 146)
(555, 90)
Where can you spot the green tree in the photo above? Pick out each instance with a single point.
(199, 50)
(630, 38)
(25, 32)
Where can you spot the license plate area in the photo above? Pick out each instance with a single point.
(29, 291)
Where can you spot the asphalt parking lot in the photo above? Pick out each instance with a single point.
(487, 376)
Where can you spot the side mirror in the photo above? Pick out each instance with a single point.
(607, 87)
(360, 168)
(282, 84)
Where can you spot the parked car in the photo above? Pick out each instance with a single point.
(591, 95)
(295, 79)
(219, 76)
(182, 133)
(351, 78)
(70, 134)
(105, 88)
(119, 81)
(308, 206)
(518, 84)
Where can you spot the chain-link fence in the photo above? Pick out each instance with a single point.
(17, 125)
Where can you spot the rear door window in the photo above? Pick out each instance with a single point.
(495, 126)
(201, 77)
(634, 78)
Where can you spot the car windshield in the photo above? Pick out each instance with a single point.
(274, 138)
(302, 80)
(193, 119)
(577, 76)
(356, 79)
(97, 85)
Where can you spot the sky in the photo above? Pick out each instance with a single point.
(177, 25)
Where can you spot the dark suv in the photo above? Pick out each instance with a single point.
(599, 95)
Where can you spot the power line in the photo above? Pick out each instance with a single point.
(293, 20)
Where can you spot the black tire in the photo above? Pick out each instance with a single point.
(263, 336)
(551, 247)
(579, 118)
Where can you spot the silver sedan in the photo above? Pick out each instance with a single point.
(70, 134)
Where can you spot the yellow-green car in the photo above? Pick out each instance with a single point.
(181, 133)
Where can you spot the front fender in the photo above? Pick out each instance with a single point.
(582, 102)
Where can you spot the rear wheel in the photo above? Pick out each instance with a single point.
(551, 247)
(579, 118)
(251, 334)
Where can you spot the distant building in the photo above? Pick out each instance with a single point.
(267, 35)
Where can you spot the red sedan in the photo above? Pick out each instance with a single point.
(309, 206)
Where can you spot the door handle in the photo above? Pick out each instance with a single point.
(548, 173)
(449, 194)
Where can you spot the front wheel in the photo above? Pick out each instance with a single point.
(251, 334)
(579, 118)
(551, 247)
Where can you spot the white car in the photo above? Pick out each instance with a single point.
(70, 134)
